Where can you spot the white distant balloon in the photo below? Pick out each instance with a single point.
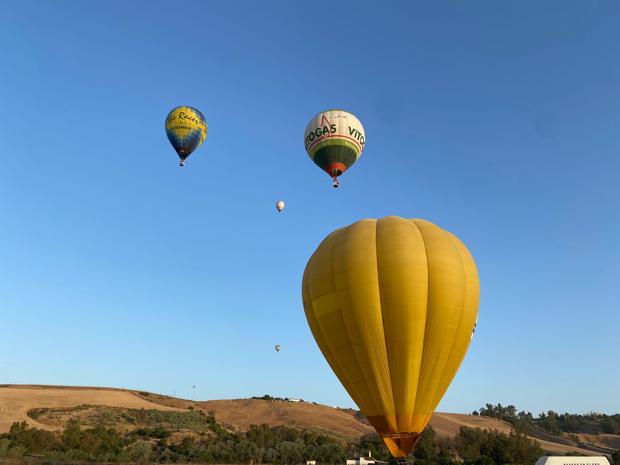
(280, 205)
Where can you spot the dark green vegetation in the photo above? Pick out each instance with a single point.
(96, 415)
(214, 445)
(197, 437)
(552, 422)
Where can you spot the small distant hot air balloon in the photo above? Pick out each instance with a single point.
(334, 140)
(280, 205)
(186, 129)
(392, 304)
(277, 347)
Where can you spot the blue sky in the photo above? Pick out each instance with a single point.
(499, 122)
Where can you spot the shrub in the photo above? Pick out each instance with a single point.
(4, 446)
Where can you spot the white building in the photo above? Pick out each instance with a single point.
(572, 460)
(362, 460)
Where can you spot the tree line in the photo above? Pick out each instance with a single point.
(261, 444)
(552, 422)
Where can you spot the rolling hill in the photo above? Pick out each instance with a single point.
(17, 401)
(48, 407)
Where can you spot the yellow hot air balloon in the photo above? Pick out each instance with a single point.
(392, 304)
(186, 129)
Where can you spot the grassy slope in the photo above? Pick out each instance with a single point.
(16, 401)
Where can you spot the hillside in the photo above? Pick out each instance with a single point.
(49, 407)
(17, 401)
(240, 414)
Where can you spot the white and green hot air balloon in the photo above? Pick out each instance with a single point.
(334, 140)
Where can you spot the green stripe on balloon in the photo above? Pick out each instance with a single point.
(335, 141)
(335, 153)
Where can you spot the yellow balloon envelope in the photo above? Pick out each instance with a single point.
(186, 129)
(392, 304)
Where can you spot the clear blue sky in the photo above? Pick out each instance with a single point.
(498, 121)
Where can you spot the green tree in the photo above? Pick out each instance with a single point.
(426, 448)
(72, 435)
(290, 452)
(478, 446)
(31, 440)
(331, 453)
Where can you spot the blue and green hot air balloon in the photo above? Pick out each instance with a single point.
(186, 129)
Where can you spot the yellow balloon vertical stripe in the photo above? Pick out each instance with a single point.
(407, 291)
(392, 304)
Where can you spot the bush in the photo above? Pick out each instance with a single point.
(17, 452)
(139, 451)
(4, 446)
(32, 440)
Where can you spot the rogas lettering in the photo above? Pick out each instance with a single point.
(323, 131)
(334, 140)
(320, 132)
